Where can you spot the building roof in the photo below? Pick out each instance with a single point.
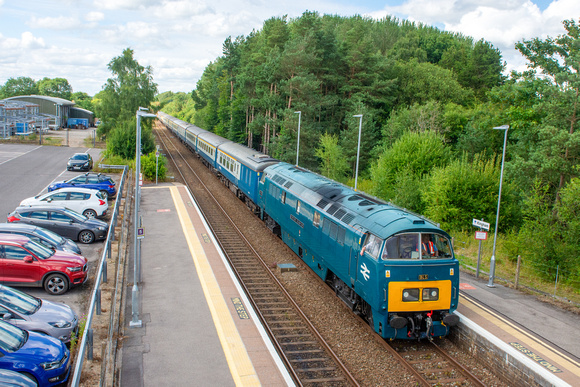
(59, 101)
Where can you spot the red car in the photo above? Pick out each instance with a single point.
(24, 262)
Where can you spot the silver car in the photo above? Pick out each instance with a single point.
(41, 235)
(38, 315)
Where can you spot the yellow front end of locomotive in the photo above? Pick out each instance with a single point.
(418, 296)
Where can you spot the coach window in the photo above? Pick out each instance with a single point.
(316, 219)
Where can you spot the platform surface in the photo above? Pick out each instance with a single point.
(547, 336)
(196, 327)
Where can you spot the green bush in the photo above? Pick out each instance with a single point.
(148, 163)
(456, 194)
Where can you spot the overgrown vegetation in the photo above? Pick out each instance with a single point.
(429, 101)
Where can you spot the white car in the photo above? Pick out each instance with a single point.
(89, 202)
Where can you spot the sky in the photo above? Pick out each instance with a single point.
(76, 39)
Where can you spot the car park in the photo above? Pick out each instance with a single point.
(55, 319)
(80, 162)
(89, 202)
(88, 180)
(24, 262)
(61, 220)
(41, 235)
(42, 358)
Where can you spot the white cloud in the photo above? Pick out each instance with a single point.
(94, 16)
(55, 23)
(125, 4)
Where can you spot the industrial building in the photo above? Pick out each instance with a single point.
(23, 115)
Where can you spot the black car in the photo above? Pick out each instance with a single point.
(80, 162)
(41, 235)
(65, 222)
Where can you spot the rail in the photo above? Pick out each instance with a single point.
(101, 276)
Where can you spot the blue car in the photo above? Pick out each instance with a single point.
(41, 358)
(96, 181)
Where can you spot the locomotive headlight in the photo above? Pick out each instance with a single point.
(430, 294)
(410, 295)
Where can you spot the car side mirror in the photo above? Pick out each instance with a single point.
(49, 200)
(70, 221)
(7, 316)
(28, 259)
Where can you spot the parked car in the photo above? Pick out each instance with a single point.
(41, 235)
(89, 202)
(80, 162)
(35, 314)
(88, 180)
(61, 220)
(24, 262)
(15, 379)
(42, 358)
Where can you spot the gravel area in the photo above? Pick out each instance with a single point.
(349, 337)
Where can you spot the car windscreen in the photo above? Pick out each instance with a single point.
(75, 215)
(11, 337)
(80, 157)
(19, 301)
(50, 236)
(39, 250)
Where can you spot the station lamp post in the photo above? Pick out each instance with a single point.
(298, 144)
(358, 149)
(135, 322)
(492, 262)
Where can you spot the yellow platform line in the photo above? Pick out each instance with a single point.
(515, 331)
(237, 357)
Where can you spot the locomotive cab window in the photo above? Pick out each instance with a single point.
(417, 246)
(372, 245)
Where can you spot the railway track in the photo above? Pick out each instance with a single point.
(309, 359)
(432, 365)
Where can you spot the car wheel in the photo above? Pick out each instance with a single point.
(86, 237)
(105, 192)
(56, 284)
(90, 213)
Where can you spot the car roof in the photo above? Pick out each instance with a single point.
(18, 227)
(75, 189)
(40, 208)
(13, 238)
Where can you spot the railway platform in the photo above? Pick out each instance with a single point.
(195, 326)
(521, 332)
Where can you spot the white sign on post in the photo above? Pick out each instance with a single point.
(481, 224)
(481, 235)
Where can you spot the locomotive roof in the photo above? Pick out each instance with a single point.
(345, 205)
(247, 156)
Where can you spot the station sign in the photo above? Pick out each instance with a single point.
(481, 224)
(481, 235)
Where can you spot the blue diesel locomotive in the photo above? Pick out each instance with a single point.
(394, 268)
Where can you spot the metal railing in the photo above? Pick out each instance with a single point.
(101, 277)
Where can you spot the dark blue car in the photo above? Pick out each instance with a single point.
(41, 358)
(88, 180)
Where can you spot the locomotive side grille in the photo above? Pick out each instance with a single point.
(322, 203)
(333, 209)
(340, 213)
(348, 218)
(288, 184)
